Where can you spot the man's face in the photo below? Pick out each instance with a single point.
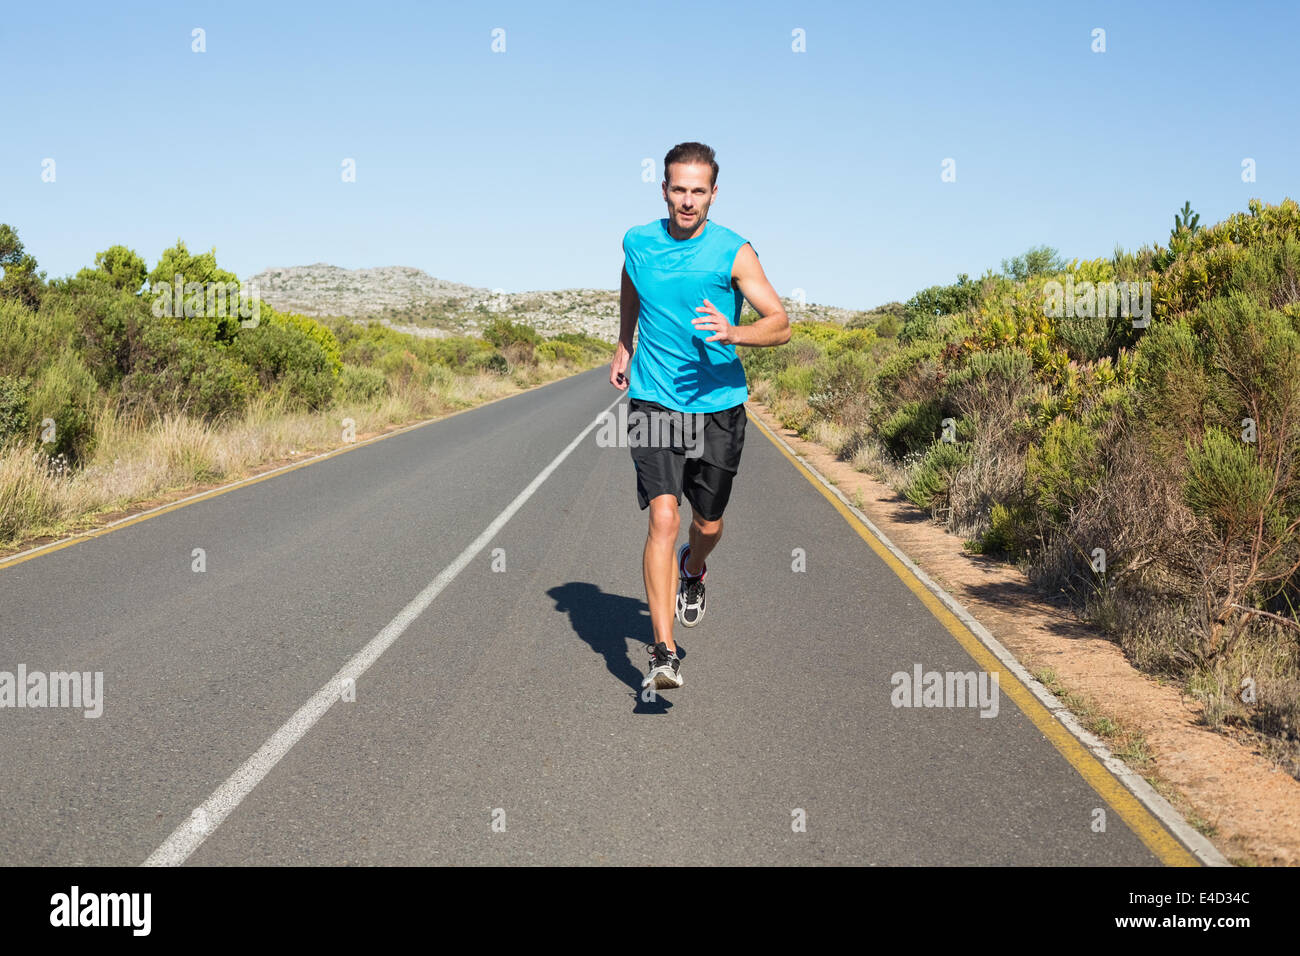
(688, 194)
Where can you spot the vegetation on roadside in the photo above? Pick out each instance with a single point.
(1125, 428)
(122, 382)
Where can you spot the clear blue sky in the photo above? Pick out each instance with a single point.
(522, 170)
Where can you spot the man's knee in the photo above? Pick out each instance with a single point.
(664, 519)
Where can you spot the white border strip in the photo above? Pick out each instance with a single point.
(1203, 849)
(212, 812)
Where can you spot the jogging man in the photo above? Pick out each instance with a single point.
(684, 281)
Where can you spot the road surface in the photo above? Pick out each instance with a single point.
(497, 714)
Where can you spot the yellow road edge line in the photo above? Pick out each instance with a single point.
(1140, 820)
(79, 537)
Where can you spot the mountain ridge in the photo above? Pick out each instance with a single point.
(410, 299)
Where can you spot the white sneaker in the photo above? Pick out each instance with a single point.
(664, 668)
(690, 591)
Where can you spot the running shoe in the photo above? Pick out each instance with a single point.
(664, 668)
(690, 590)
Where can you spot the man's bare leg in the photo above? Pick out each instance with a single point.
(659, 566)
(704, 536)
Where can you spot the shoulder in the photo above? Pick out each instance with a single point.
(732, 244)
(728, 236)
(638, 234)
(744, 260)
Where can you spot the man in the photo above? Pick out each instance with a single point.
(684, 281)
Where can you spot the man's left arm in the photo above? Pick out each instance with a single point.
(772, 327)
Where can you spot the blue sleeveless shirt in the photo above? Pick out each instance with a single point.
(673, 365)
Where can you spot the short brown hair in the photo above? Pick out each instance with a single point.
(692, 153)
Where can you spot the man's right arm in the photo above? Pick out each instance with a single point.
(629, 306)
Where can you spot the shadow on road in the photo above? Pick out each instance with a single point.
(605, 622)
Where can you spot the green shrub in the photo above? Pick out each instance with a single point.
(1226, 484)
(171, 371)
(119, 268)
(358, 383)
(1000, 369)
(889, 326)
(493, 362)
(308, 327)
(923, 326)
(582, 340)
(15, 394)
(882, 319)
(372, 344)
(1230, 359)
(821, 333)
(838, 381)
(1037, 261)
(306, 388)
(576, 348)
(562, 352)
(369, 342)
(851, 340)
(287, 355)
(909, 364)
(912, 428)
(403, 368)
(178, 264)
(515, 336)
(458, 352)
(1198, 266)
(1194, 279)
(1253, 549)
(929, 484)
(1089, 338)
(102, 320)
(964, 294)
(1180, 396)
(1269, 274)
(21, 282)
(30, 340)
(1064, 467)
(1256, 354)
(66, 394)
(768, 363)
(1010, 532)
(795, 380)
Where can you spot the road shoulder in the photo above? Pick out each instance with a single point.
(1244, 803)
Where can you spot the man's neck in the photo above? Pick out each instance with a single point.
(673, 232)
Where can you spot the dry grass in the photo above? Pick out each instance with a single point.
(792, 412)
(1145, 599)
(135, 462)
(870, 456)
(831, 435)
(996, 470)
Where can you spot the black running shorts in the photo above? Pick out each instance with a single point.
(698, 453)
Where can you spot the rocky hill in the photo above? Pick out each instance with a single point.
(322, 289)
(413, 301)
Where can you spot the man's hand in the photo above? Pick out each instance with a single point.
(714, 322)
(618, 368)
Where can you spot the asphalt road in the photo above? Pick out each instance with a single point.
(504, 723)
